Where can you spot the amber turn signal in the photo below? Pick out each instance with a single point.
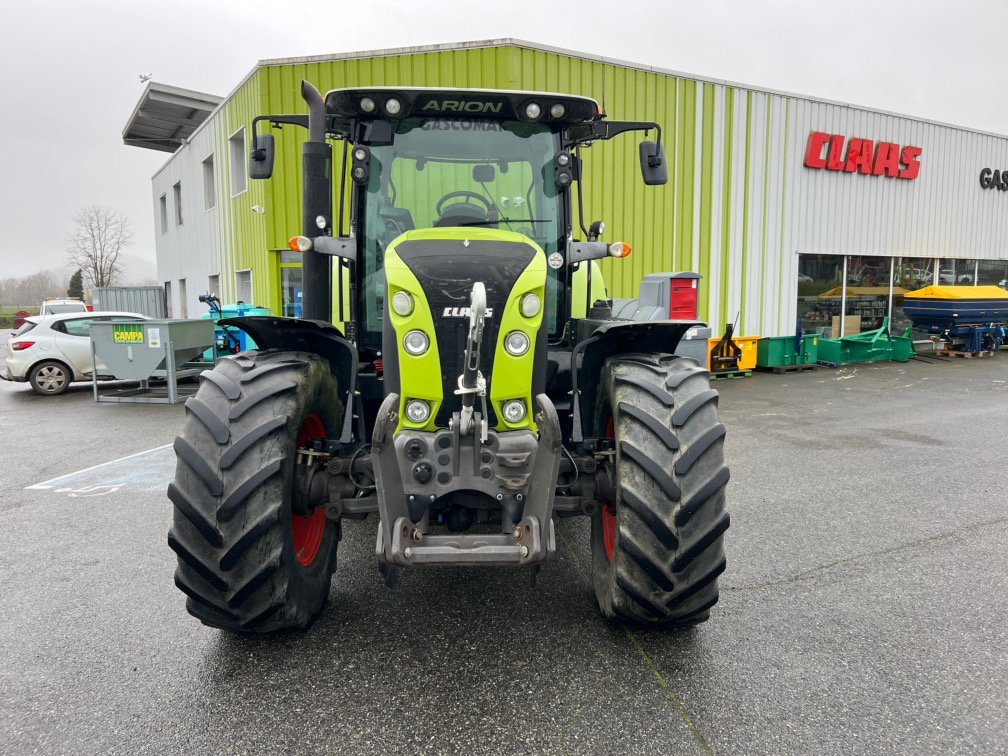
(300, 243)
(619, 249)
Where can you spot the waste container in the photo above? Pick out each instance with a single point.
(779, 351)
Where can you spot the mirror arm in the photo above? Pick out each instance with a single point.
(274, 120)
(655, 160)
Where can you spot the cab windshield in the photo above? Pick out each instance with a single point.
(448, 172)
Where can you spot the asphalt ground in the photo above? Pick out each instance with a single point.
(863, 610)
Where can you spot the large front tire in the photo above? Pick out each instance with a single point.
(245, 560)
(657, 548)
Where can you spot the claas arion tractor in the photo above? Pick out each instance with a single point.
(472, 387)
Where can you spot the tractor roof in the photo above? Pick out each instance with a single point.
(373, 103)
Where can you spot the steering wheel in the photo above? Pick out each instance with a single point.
(469, 212)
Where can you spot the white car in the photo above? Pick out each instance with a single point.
(51, 351)
(949, 277)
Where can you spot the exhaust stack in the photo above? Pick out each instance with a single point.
(317, 178)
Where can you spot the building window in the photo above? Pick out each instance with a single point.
(993, 273)
(243, 286)
(183, 304)
(163, 203)
(168, 299)
(209, 185)
(213, 285)
(177, 196)
(239, 175)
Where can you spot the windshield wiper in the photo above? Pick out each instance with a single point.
(506, 220)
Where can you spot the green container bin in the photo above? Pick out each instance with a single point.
(779, 351)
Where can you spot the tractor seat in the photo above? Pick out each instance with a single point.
(461, 214)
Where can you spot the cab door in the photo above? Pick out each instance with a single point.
(72, 339)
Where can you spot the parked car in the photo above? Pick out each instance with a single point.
(60, 306)
(52, 351)
(948, 277)
(802, 278)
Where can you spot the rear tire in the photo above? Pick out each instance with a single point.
(245, 562)
(50, 378)
(657, 550)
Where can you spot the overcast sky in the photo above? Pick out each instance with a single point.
(70, 72)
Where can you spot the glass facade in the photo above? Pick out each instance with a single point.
(866, 299)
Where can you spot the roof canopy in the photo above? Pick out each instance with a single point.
(166, 116)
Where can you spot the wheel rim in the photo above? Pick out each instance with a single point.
(308, 531)
(608, 511)
(50, 379)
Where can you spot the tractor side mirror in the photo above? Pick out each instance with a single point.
(261, 163)
(653, 165)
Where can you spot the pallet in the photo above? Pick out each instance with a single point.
(780, 369)
(963, 355)
(726, 374)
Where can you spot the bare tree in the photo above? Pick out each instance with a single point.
(99, 235)
(36, 287)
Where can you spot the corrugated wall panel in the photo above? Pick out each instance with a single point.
(739, 207)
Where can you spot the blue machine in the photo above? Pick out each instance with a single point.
(968, 318)
(230, 340)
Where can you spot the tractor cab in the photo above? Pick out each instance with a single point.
(475, 160)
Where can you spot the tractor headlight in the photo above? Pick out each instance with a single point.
(557, 111)
(367, 105)
(530, 305)
(418, 411)
(516, 343)
(514, 411)
(416, 343)
(393, 106)
(532, 111)
(402, 303)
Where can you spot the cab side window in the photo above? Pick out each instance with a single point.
(80, 327)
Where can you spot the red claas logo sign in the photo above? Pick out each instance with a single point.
(838, 153)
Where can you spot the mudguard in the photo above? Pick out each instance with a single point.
(316, 337)
(609, 339)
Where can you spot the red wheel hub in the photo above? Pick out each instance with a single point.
(308, 531)
(608, 511)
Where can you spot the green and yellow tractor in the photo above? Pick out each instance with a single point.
(472, 387)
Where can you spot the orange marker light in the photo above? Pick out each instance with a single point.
(619, 249)
(300, 243)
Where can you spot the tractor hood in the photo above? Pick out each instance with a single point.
(438, 268)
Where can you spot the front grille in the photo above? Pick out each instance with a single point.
(447, 270)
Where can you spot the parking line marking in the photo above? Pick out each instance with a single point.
(48, 484)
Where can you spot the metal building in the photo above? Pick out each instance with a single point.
(776, 199)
